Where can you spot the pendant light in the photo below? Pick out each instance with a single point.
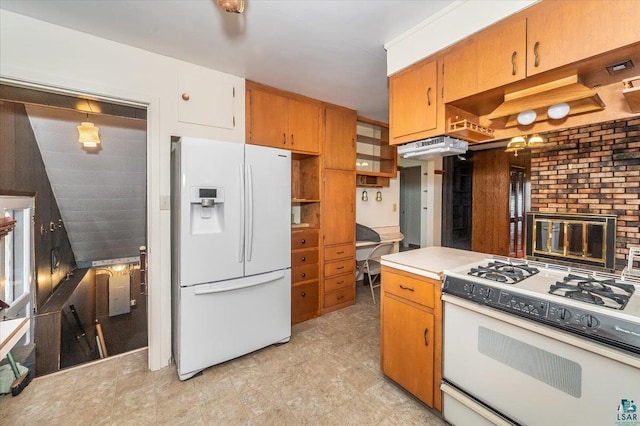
(88, 134)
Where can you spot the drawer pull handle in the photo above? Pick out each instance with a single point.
(340, 252)
(535, 54)
(340, 267)
(339, 297)
(284, 138)
(340, 282)
(304, 274)
(303, 294)
(303, 241)
(513, 62)
(304, 258)
(426, 333)
(406, 288)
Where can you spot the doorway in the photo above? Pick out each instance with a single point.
(457, 191)
(96, 220)
(410, 200)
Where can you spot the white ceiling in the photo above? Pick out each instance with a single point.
(330, 50)
(101, 192)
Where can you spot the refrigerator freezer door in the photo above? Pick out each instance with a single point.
(210, 218)
(222, 321)
(268, 209)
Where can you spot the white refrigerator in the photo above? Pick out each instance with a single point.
(231, 242)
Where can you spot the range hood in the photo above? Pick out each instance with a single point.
(539, 98)
(433, 147)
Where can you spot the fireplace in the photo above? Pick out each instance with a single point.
(587, 239)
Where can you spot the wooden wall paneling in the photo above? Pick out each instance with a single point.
(47, 338)
(490, 217)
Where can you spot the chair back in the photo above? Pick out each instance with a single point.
(380, 250)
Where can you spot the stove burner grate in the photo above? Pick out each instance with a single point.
(507, 273)
(607, 292)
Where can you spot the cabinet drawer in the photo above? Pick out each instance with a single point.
(304, 257)
(339, 252)
(419, 290)
(339, 267)
(339, 297)
(339, 282)
(304, 239)
(304, 301)
(304, 273)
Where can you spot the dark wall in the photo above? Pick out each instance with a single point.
(22, 170)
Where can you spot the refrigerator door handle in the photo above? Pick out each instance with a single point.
(250, 212)
(241, 233)
(239, 284)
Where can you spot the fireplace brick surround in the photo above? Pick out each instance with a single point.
(592, 169)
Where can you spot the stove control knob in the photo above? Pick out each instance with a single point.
(590, 321)
(564, 314)
(488, 293)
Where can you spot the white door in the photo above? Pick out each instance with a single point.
(268, 209)
(211, 235)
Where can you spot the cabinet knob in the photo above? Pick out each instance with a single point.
(303, 241)
(303, 294)
(304, 274)
(304, 258)
(185, 97)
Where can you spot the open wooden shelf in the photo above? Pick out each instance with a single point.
(465, 129)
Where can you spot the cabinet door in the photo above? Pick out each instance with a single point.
(339, 139)
(460, 72)
(501, 55)
(339, 207)
(205, 98)
(413, 100)
(408, 341)
(268, 119)
(304, 126)
(563, 32)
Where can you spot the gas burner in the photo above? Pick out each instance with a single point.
(507, 273)
(606, 292)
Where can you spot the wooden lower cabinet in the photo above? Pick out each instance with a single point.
(411, 334)
(339, 289)
(305, 275)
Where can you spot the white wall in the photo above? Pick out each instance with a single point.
(374, 213)
(455, 22)
(45, 54)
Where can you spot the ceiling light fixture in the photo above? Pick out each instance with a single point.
(519, 143)
(558, 111)
(232, 6)
(88, 134)
(527, 117)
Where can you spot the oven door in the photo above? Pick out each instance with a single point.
(528, 372)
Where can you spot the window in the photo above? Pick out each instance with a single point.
(17, 257)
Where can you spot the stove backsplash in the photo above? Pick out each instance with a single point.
(589, 170)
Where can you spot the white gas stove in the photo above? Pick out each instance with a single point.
(533, 343)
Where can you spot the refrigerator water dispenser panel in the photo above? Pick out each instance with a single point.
(207, 210)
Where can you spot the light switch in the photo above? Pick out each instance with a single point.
(395, 207)
(165, 202)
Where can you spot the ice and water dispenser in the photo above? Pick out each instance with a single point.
(207, 210)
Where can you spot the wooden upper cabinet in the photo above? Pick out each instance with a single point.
(563, 32)
(304, 126)
(460, 72)
(338, 206)
(268, 114)
(339, 139)
(413, 100)
(501, 55)
(277, 120)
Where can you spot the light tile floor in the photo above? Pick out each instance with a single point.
(328, 374)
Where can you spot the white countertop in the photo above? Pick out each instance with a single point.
(10, 333)
(430, 262)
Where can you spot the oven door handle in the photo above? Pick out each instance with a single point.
(426, 333)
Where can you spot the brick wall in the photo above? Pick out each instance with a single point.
(592, 169)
